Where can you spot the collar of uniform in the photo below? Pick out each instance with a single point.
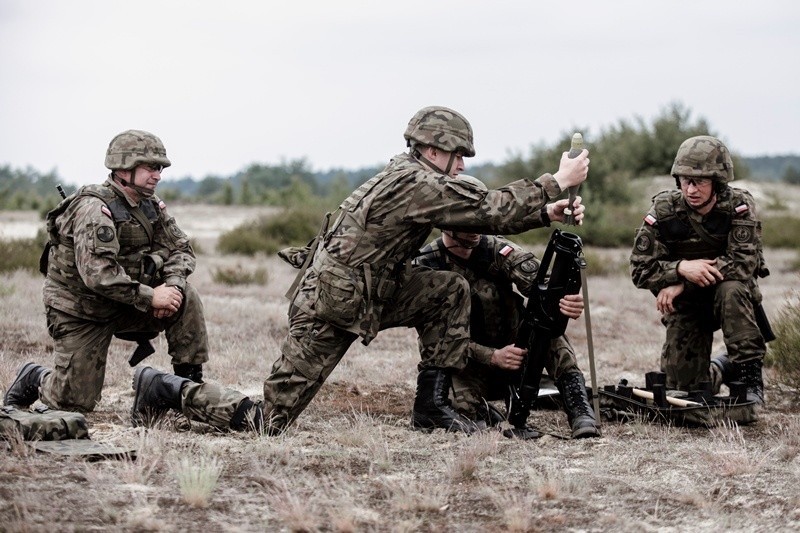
(119, 190)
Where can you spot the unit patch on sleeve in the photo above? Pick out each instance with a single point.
(505, 250)
(644, 244)
(742, 234)
(105, 234)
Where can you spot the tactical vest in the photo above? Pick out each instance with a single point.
(134, 242)
(684, 242)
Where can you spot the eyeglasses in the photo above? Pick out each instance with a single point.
(153, 168)
(697, 182)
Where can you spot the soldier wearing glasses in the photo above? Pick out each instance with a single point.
(116, 264)
(699, 252)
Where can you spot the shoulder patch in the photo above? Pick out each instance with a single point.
(529, 267)
(650, 219)
(106, 211)
(105, 234)
(742, 234)
(742, 208)
(162, 205)
(505, 250)
(644, 244)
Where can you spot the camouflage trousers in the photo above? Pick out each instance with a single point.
(686, 353)
(81, 349)
(435, 303)
(479, 382)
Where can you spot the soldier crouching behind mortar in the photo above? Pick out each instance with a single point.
(699, 252)
(116, 264)
(358, 279)
(493, 266)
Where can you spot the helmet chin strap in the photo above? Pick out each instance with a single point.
(144, 193)
(425, 160)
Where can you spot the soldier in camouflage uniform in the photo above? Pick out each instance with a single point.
(699, 252)
(359, 280)
(116, 264)
(492, 266)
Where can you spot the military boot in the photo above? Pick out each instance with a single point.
(749, 373)
(25, 389)
(721, 371)
(189, 371)
(155, 393)
(576, 404)
(249, 416)
(432, 408)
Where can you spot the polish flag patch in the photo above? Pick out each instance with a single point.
(650, 219)
(106, 211)
(505, 250)
(743, 208)
(162, 205)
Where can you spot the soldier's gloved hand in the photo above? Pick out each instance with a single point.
(572, 171)
(509, 358)
(666, 297)
(167, 298)
(702, 272)
(571, 305)
(555, 210)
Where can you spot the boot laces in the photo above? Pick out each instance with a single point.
(574, 399)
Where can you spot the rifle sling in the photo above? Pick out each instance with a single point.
(703, 234)
(143, 220)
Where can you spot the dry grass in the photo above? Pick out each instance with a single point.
(352, 464)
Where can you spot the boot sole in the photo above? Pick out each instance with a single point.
(586, 433)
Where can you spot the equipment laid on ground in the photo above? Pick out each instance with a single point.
(57, 432)
(655, 403)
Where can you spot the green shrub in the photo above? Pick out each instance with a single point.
(20, 254)
(784, 352)
(294, 227)
(238, 275)
(781, 231)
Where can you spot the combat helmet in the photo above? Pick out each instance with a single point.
(135, 147)
(703, 157)
(441, 128)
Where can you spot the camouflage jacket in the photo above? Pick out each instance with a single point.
(360, 261)
(102, 258)
(492, 270)
(733, 238)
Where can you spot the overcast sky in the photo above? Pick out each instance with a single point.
(227, 84)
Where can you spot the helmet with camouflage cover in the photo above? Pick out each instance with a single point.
(703, 157)
(441, 128)
(135, 147)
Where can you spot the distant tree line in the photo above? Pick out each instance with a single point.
(620, 154)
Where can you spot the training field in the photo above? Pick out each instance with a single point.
(351, 463)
